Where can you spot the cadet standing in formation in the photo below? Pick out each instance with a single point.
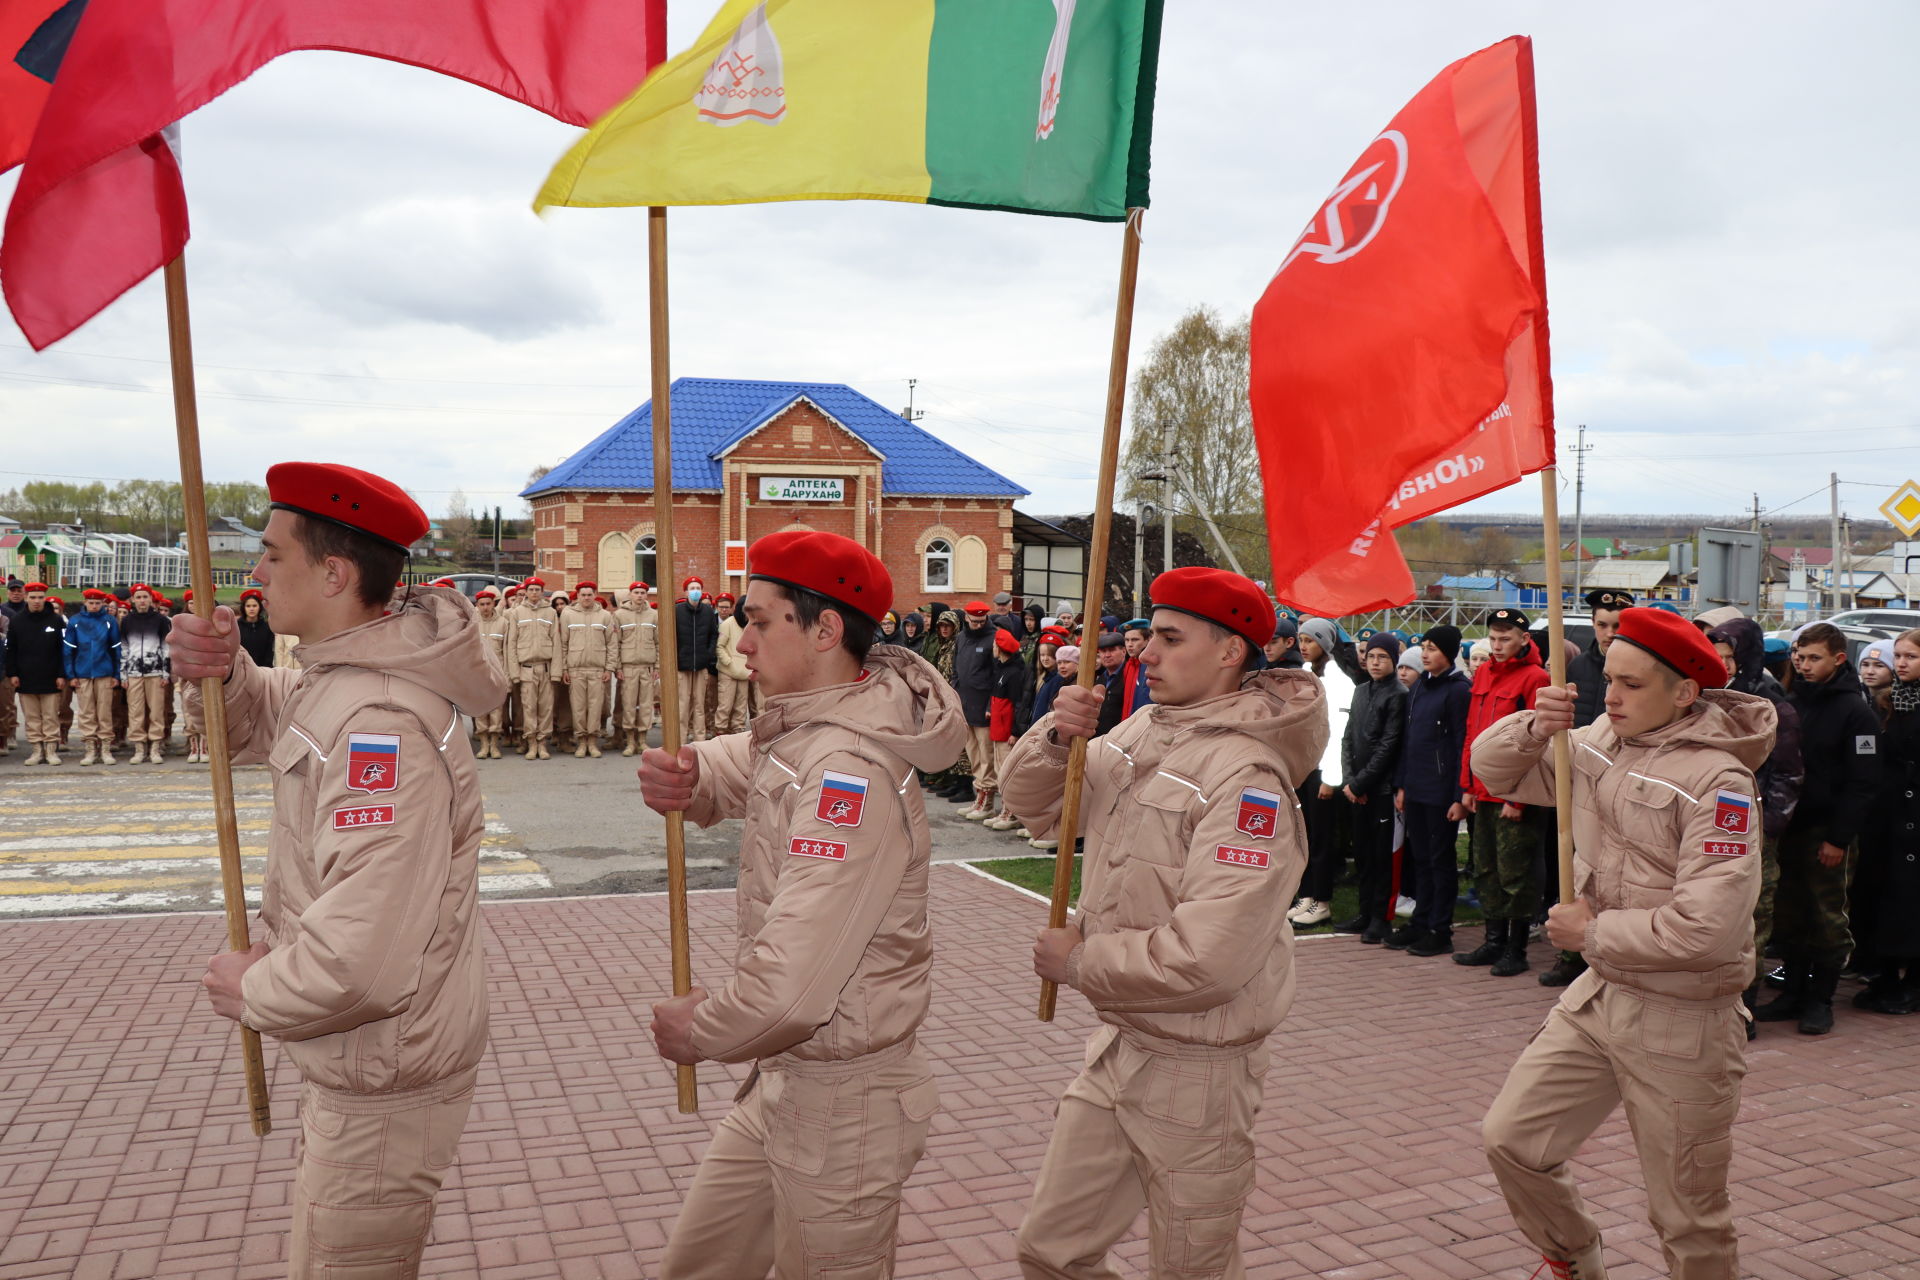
(1667, 832)
(591, 652)
(835, 956)
(494, 631)
(639, 660)
(370, 973)
(1194, 848)
(530, 649)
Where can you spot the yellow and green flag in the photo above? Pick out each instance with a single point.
(1023, 105)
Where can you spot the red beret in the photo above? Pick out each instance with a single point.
(187, 595)
(441, 582)
(534, 582)
(1225, 599)
(724, 595)
(349, 497)
(485, 593)
(978, 607)
(1674, 641)
(1003, 640)
(636, 586)
(35, 586)
(825, 563)
(140, 586)
(690, 580)
(253, 593)
(588, 586)
(95, 593)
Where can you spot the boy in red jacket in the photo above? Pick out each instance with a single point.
(1506, 836)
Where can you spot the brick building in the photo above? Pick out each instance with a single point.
(751, 458)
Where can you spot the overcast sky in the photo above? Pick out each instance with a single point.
(1733, 266)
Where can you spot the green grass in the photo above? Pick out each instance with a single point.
(1037, 874)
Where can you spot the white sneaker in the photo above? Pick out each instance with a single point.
(1048, 845)
(1403, 905)
(1001, 822)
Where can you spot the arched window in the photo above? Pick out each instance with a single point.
(936, 563)
(644, 562)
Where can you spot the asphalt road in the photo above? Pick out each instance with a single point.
(77, 840)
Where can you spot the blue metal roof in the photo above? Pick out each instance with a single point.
(710, 415)
(1468, 582)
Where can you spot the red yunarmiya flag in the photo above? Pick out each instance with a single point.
(99, 206)
(1399, 355)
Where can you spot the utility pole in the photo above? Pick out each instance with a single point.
(909, 413)
(1579, 495)
(1142, 512)
(1833, 569)
(1166, 498)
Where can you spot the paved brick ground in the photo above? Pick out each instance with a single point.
(124, 1153)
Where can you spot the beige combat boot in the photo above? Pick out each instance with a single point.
(106, 752)
(36, 754)
(628, 748)
(92, 753)
(53, 753)
(1584, 1265)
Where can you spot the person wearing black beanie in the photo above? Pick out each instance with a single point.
(1427, 792)
(1446, 639)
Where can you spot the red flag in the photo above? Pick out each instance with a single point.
(33, 35)
(1399, 355)
(99, 205)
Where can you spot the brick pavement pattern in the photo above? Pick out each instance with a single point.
(124, 1151)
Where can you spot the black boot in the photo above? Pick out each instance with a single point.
(1431, 944)
(1569, 966)
(1816, 1016)
(1786, 1006)
(1488, 951)
(1356, 925)
(1405, 936)
(1375, 933)
(1885, 994)
(1514, 959)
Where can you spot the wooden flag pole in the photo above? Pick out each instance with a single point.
(1557, 665)
(1096, 579)
(666, 623)
(213, 696)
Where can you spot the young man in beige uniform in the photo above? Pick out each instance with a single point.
(639, 659)
(835, 956)
(493, 631)
(1667, 832)
(591, 651)
(1194, 849)
(370, 972)
(735, 689)
(530, 650)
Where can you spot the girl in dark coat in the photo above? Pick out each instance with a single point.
(256, 637)
(1886, 888)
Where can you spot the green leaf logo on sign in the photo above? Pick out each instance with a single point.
(773, 488)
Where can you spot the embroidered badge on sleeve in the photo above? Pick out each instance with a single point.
(1258, 859)
(1733, 813)
(831, 849)
(842, 796)
(1724, 848)
(368, 815)
(373, 761)
(1259, 814)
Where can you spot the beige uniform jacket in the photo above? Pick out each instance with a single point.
(374, 979)
(591, 643)
(835, 954)
(639, 635)
(531, 638)
(494, 632)
(732, 665)
(1194, 849)
(1666, 839)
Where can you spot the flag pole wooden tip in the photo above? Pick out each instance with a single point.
(213, 696)
(667, 622)
(1069, 831)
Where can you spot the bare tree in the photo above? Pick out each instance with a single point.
(1190, 399)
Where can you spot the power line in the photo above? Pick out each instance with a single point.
(255, 398)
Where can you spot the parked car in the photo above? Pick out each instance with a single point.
(1579, 629)
(1893, 622)
(469, 583)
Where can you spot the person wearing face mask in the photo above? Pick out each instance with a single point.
(1665, 832)
(698, 635)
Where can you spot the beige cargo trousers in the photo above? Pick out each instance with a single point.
(1676, 1066)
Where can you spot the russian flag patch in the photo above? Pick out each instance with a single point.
(1733, 813)
(373, 761)
(842, 797)
(1259, 814)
